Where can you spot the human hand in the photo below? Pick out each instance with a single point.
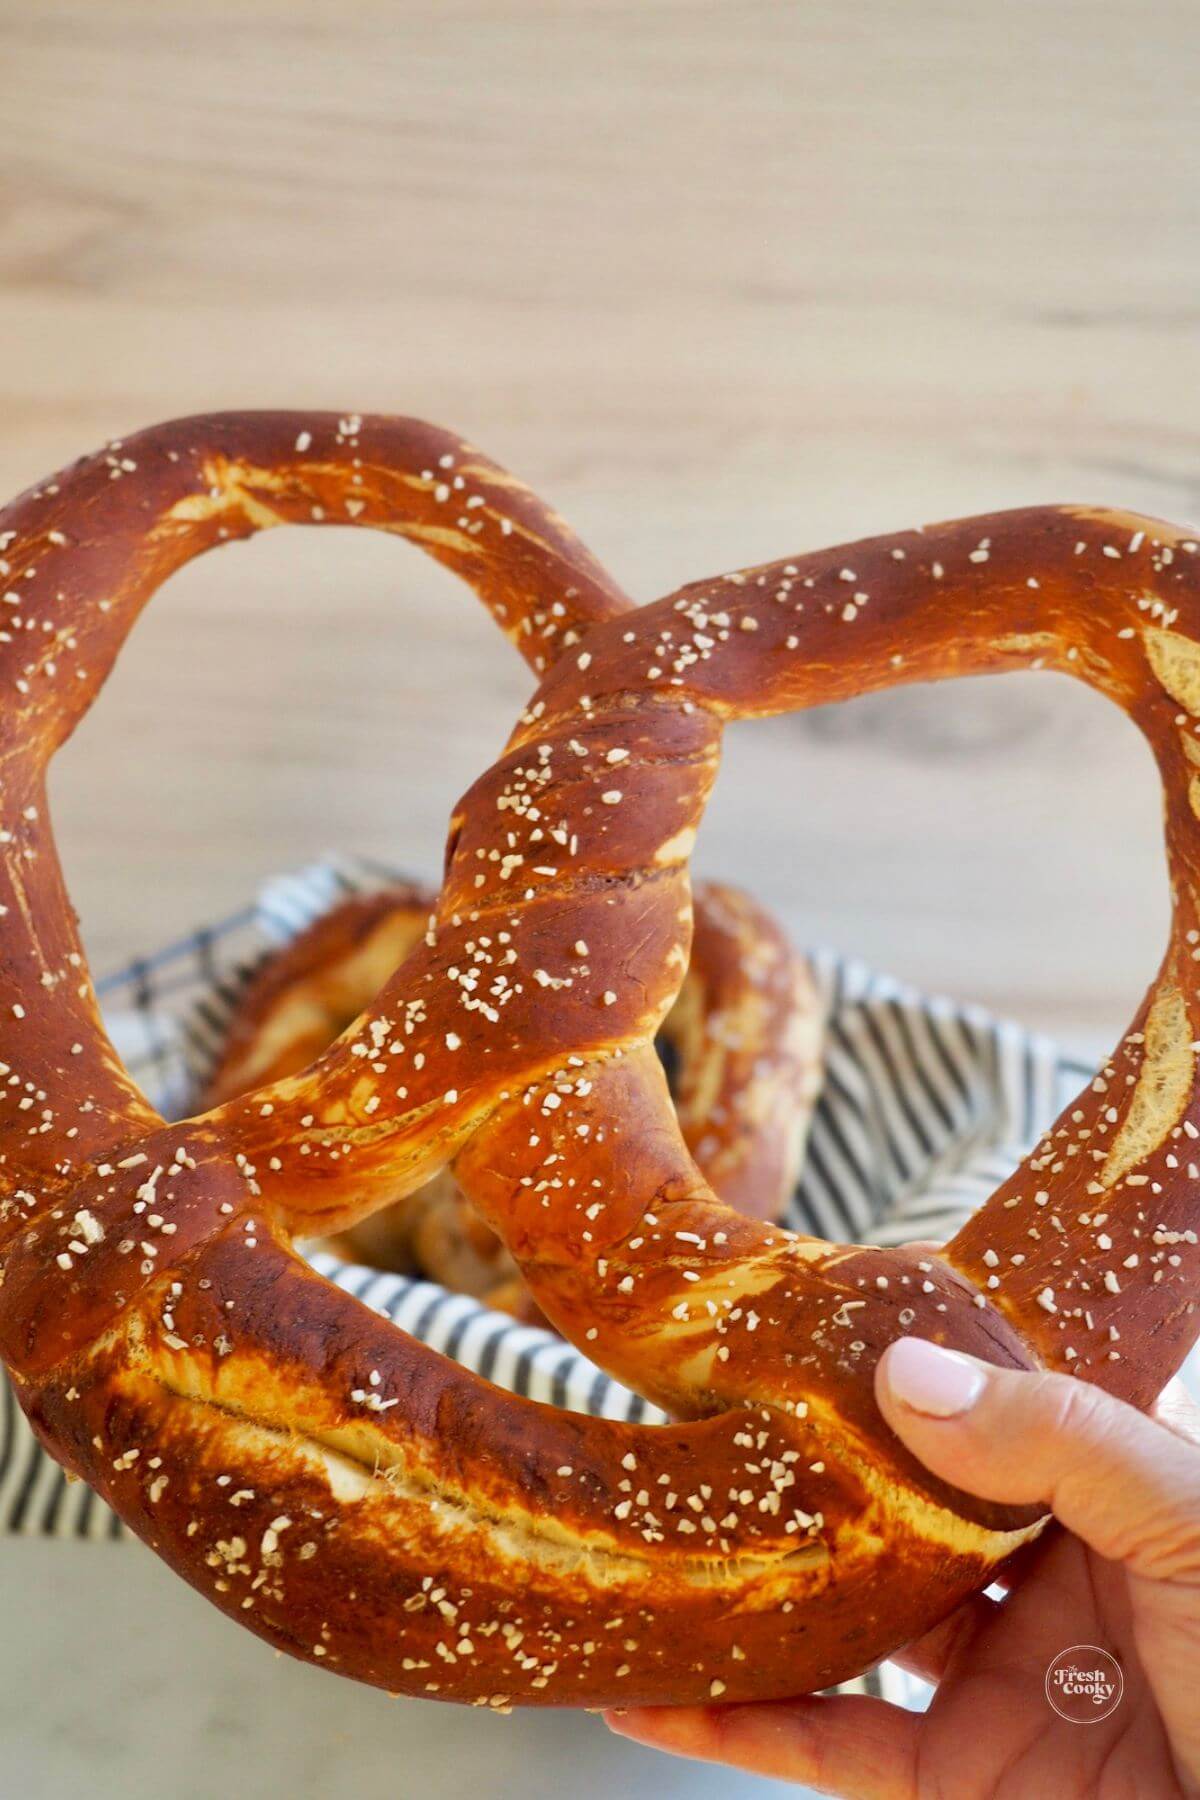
(1123, 1574)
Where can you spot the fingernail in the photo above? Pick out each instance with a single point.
(939, 1383)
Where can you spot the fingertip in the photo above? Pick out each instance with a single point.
(677, 1728)
(916, 1376)
(948, 1409)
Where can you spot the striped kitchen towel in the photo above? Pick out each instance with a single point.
(927, 1105)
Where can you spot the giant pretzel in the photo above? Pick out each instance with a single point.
(340, 1488)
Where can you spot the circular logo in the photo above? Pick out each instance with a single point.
(1084, 1684)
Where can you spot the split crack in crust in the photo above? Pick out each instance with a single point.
(557, 1116)
(522, 1541)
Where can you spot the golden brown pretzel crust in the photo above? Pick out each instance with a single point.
(345, 1491)
(746, 1031)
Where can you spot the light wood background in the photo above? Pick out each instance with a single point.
(725, 281)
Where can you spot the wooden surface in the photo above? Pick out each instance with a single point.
(724, 281)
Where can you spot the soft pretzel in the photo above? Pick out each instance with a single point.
(345, 1491)
(742, 1043)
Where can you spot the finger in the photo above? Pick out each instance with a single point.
(1121, 1482)
(1176, 1409)
(849, 1745)
(930, 1656)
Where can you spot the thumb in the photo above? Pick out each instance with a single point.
(1124, 1484)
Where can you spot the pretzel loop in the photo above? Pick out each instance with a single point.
(342, 1489)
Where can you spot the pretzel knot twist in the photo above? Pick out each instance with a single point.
(743, 1041)
(345, 1491)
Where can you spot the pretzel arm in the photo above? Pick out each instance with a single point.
(79, 557)
(1090, 1249)
(354, 1499)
